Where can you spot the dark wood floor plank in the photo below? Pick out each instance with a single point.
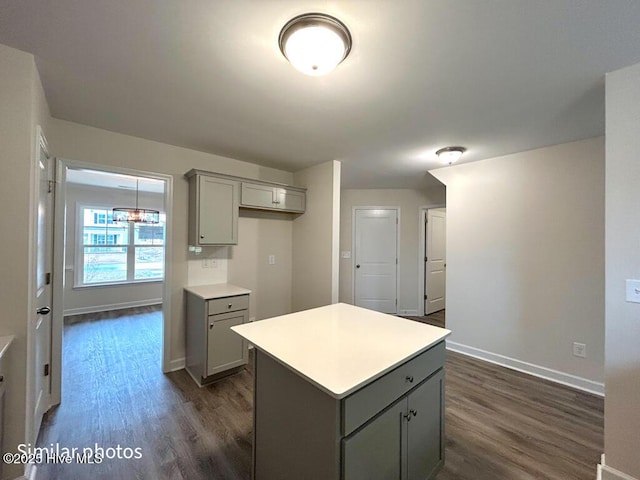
(500, 424)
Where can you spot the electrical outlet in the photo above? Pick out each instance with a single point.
(346, 254)
(272, 259)
(209, 263)
(579, 350)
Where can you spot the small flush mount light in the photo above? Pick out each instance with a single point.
(449, 155)
(315, 43)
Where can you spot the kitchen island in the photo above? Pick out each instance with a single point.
(345, 393)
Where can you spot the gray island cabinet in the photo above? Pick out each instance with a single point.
(345, 393)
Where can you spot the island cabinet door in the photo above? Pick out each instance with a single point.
(425, 428)
(375, 452)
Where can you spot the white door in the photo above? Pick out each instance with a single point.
(44, 236)
(375, 259)
(435, 261)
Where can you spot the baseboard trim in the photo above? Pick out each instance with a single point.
(113, 306)
(177, 364)
(608, 473)
(409, 313)
(536, 370)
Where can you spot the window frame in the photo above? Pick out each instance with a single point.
(130, 245)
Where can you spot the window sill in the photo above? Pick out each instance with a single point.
(116, 284)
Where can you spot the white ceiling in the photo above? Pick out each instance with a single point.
(495, 76)
(98, 178)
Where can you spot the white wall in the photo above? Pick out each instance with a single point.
(262, 234)
(107, 297)
(525, 259)
(22, 107)
(409, 202)
(315, 238)
(87, 144)
(622, 370)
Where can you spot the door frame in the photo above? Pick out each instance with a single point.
(57, 326)
(39, 142)
(353, 249)
(422, 214)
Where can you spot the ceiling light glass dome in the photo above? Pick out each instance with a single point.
(315, 43)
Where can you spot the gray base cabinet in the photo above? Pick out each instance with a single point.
(213, 350)
(390, 429)
(403, 442)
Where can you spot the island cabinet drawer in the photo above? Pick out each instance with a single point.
(228, 304)
(373, 398)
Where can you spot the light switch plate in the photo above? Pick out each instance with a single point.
(633, 290)
(272, 259)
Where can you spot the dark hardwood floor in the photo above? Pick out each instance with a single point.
(500, 424)
(437, 319)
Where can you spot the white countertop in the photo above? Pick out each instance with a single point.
(219, 290)
(340, 348)
(5, 341)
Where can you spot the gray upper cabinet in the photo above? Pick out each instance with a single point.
(213, 210)
(270, 197)
(215, 199)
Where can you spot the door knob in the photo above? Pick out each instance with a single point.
(357, 266)
(43, 311)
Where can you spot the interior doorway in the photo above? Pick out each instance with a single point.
(101, 264)
(375, 248)
(432, 260)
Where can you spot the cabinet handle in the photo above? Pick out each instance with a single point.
(210, 326)
(201, 236)
(230, 305)
(409, 378)
(412, 413)
(1, 378)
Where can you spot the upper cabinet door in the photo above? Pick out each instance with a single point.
(291, 200)
(259, 196)
(217, 211)
(267, 197)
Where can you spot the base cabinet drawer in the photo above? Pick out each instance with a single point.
(367, 402)
(228, 304)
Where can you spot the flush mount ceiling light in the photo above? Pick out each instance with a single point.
(136, 215)
(315, 43)
(449, 155)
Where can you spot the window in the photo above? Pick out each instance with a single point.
(109, 252)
